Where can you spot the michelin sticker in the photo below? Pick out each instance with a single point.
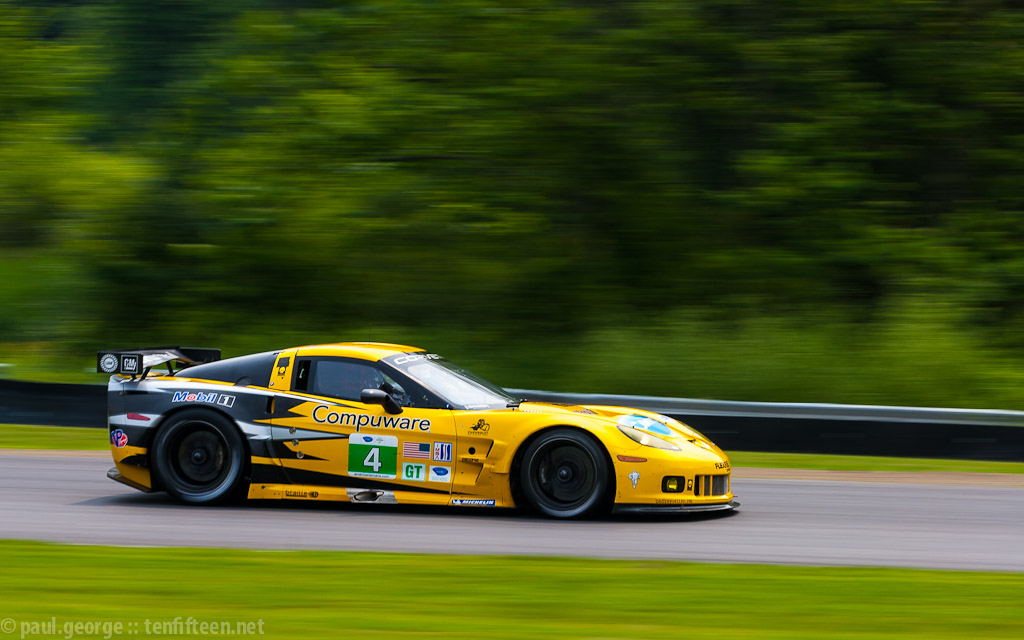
(440, 474)
(372, 456)
(462, 502)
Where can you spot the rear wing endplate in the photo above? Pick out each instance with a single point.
(132, 362)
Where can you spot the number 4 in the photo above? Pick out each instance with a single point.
(372, 459)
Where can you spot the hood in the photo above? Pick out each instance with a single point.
(658, 425)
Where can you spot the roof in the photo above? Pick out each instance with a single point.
(362, 350)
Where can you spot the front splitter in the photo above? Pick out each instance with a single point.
(114, 474)
(674, 508)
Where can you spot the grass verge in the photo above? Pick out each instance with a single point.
(374, 595)
(14, 436)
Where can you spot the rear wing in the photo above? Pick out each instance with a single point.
(132, 362)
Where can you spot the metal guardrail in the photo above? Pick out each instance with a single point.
(817, 411)
(831, 428)
(752, 426)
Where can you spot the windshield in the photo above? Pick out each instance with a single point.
(457, 386)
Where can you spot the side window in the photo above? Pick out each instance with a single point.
(344, 380)
(302, 368)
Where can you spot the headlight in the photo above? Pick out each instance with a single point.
(647, 439)
(644, 423)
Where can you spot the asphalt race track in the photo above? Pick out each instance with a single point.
(69, 499)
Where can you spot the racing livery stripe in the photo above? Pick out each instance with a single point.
(157, 386)
(284, 453)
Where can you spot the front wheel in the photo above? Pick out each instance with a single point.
(565, 474)
(197, 457)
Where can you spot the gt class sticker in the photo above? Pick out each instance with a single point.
(440, 474)
(372, 456)
(414, 471)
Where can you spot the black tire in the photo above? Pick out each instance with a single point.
(565, 473)
(198, 457)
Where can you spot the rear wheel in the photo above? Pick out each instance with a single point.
(565, 473)
(198, 457)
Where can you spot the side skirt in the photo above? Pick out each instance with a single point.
(321, 493)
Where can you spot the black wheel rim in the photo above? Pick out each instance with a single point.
(565, 474)
(199, 457)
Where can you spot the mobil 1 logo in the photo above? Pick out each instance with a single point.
(371, 456)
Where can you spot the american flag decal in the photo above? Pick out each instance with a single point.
(416, 450)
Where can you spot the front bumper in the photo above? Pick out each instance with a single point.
(675, 508)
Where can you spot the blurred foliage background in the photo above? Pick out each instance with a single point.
(817, 200)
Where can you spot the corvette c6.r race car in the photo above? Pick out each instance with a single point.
(386, 423)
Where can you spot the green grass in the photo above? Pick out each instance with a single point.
(866, 463)
(374, 595)
(14, 436)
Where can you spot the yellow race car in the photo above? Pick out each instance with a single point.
(386, 424)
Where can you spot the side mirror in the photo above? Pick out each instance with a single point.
(377, 396)
(392, 389)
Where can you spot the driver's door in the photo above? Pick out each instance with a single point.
(326, 437)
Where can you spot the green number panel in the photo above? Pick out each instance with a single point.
(372, 456)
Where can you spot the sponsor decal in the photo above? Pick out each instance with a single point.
(325, 414)
(221, 399)
(418, 450)
(414, 471)
(462, 502)
(108, 363)
(442, 452)
(413, 357)
(130, 363)
(373, 457)
(722, 465)
(301, 494)
(480, 427)
(440, 474)
(633, 476)
(118, 438)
